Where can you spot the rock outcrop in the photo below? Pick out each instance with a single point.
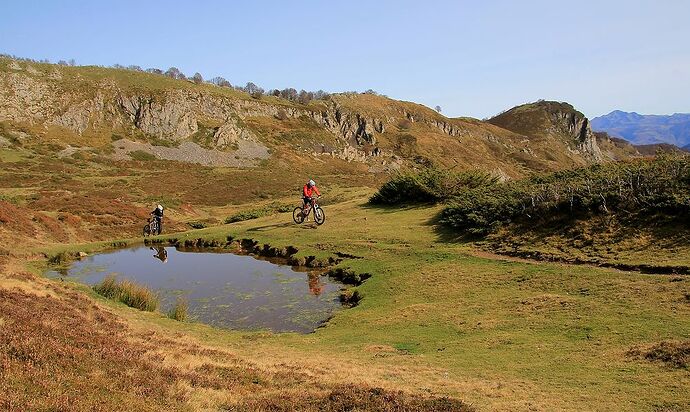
(555, 120)
(358, 127)
(576, 126)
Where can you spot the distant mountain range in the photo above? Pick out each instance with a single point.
(646, 129)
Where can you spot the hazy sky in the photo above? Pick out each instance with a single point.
(473, 58)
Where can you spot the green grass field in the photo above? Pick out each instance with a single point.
(437, 318)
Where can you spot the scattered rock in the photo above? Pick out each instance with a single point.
(190, 152)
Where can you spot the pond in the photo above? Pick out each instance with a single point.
(222, 289)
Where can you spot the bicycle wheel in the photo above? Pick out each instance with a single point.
(319, 216)
(297, 215)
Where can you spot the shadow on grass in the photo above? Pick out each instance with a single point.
(396, 208)
(267, 228)
(449, 235)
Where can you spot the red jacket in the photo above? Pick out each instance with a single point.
(309, 191)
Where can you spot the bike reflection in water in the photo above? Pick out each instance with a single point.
(161, 253)
(316, 287)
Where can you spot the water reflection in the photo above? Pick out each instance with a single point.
(316, 286)
(222, 289)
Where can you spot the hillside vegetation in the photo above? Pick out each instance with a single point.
(634, 189)
(100, 110)
(622, 213)
(439, 324)
(87, 151)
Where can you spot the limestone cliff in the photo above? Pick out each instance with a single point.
(95, 106)
(555, 121)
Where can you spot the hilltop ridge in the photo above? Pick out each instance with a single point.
(127, 111)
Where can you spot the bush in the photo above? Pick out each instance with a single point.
(431, 185)
(197, 225)
(59, 258)
(127, 292)
(633, 188)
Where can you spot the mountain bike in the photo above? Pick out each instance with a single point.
(300, 214)
(151, 228)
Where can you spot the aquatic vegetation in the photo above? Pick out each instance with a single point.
(127, 292)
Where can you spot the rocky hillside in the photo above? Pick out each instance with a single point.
(557, 125)
(121, 112)
(86, 152)
(615, 148)
(646, 129)
(566, 131)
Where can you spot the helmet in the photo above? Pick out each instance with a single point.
(159, 207)
(311, 183)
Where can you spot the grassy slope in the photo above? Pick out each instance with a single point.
(502, 335)
(435, 318)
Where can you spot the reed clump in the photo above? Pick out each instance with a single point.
(127, 292)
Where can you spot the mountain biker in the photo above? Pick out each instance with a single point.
(158, 215)
(308, 194)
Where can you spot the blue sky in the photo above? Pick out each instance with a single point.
(472, 58)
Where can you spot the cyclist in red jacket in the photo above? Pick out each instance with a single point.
(308, 194)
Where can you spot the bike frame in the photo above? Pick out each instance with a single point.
(309, 207)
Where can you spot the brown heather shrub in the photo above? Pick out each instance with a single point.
(70, 219)
(49, 344)
(16, 219)
(674, 354)
(52, 226)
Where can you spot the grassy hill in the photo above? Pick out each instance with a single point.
(86, 152)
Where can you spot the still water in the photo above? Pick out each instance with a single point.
(222, 289)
